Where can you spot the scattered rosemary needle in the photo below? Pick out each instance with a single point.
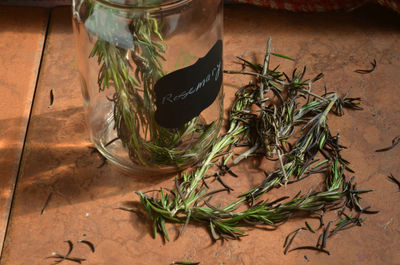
(311, 248)
(46, 203)
(395, 141)
(325, 236)
(61, 258)
(71, 247)
(289, 243)
(128, 209)
(51, 98)
(88, 243)
(185, 263)
(309, 227)
(373, 63)
(395, 181)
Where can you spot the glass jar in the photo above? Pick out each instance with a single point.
(151, 79)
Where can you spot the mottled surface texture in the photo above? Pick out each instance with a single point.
(57, 159)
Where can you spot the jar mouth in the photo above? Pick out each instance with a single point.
(147, 5)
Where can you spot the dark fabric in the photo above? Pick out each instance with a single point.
(319, 5)
(291, 5)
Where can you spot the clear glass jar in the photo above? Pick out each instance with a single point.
(151, 79)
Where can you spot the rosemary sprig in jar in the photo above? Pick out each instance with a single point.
(133, 72)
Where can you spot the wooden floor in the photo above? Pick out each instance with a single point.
(45, 149)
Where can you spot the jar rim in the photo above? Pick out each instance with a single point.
(164, 5)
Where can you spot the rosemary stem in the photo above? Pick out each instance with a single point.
(220, 145)
(282, 165)
(246, 154)
(266, 76)
(314, 95)
(264, 72)
(328, 108)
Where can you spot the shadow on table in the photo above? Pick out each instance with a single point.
(58, 158)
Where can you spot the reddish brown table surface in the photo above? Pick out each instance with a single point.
(54, 146)
(22, 35)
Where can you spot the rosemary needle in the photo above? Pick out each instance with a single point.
(71, 247)
(395, 181)
(51, 98)
(291, 241)
(309, 227)
(373, 63)
(88, 243)
(395, 142)
(185, 263)
(64, 257)
(325, 236)
(46, 203)
(311, 248)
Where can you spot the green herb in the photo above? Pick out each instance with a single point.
(282, 56)
(346, 223)
(133, 99)
(309, 227)
(269, 128)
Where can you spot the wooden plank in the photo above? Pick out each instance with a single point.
(22, 34)
(57, 159)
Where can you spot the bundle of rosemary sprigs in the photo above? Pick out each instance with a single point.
(277, 117)
(130, 66)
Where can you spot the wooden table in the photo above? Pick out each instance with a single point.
(45, 149)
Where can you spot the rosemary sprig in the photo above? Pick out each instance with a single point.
(270, 130)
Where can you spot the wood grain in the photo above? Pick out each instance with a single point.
(22, 35)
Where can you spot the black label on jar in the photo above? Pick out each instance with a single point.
(185, 93)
